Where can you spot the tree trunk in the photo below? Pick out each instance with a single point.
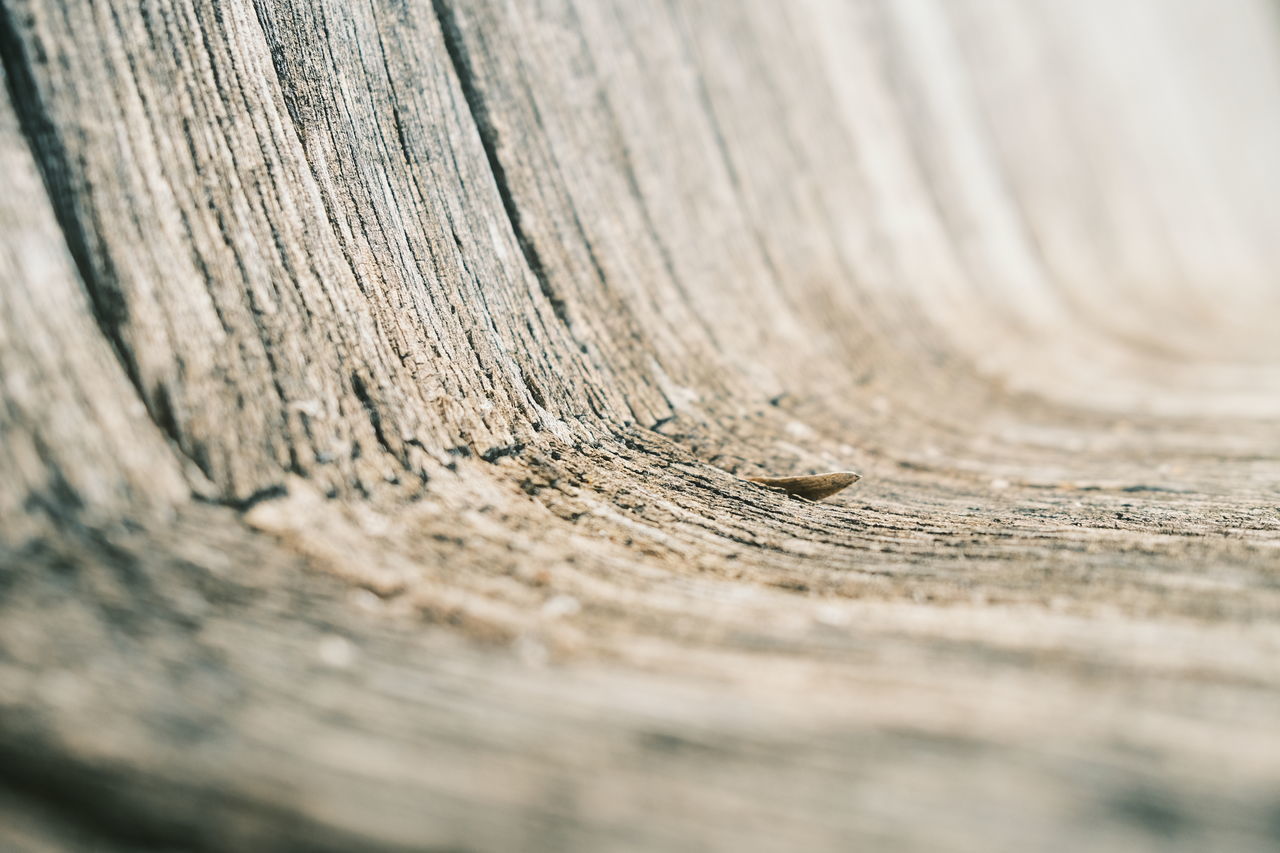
(379, 381)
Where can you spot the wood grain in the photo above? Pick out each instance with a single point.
(378, 382)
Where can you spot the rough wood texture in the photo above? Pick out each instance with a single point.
(378, 381)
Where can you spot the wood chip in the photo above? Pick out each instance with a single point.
(812, 487)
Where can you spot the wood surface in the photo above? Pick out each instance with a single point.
(378, 381)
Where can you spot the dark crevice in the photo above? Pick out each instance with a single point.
(496, 453)
(462, 66)
(96, 271)
(269, 493)
(58, 500)
(534, 390)
(53, 160)
(375, 418)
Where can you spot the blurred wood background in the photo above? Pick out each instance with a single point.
(377, 381)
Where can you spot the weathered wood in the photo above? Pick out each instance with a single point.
(379, 383)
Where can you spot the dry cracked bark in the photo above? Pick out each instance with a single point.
(379, 381)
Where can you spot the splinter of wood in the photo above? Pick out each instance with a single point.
(813, 487)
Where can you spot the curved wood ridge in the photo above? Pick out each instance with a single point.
(378, 382)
